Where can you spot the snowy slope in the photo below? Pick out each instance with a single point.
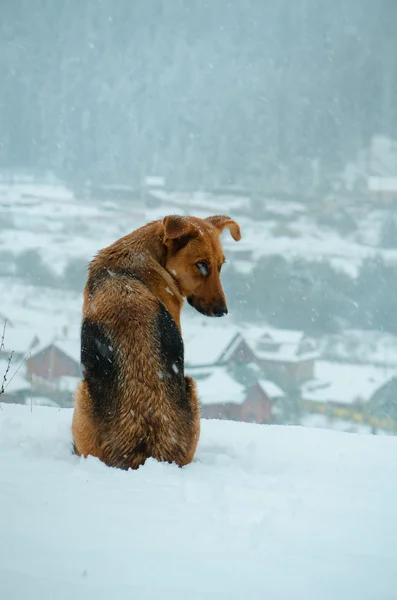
(263, 512)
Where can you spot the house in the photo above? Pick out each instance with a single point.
(222, 397)
(284, 356)
(217, 347)
(260, 403)
(154, 182)
(383, 402)
(347, 391)
(382, 189)
(57, 359)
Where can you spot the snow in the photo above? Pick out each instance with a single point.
(47, 222)
(43, 311)
(263, 512)
(345, 383)
(220, 387)
(382, 184)
(271, 389)
(68, 383)
(27, 191)
(15, 382)
(18, 339)
(207, 347)
(325, 422)
(282, 345)
(202, 202)
(154, 181)
(354, 345)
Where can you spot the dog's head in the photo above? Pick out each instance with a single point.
(195, 258)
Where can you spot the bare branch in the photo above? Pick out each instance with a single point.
(2, 347)
(3, 336)
(3, 385)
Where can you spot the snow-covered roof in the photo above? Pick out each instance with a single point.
(154, 180)
(210, 346)
(345, 383)
(254, 335)
(286, 344)
(382, 184)
(70, 347)
(220, 388)
(286, 353)
(271, 389)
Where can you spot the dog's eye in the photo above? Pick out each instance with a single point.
(202, 267)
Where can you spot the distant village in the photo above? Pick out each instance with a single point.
(254, 374)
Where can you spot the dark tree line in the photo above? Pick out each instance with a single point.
(274, 95)
(314, 296)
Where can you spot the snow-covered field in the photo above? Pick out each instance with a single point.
(62, 227)
(263, 512)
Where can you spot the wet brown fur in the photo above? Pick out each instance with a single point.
(134, 401)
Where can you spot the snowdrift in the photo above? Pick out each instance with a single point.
(263, 512)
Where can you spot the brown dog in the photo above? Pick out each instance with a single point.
(134, 401)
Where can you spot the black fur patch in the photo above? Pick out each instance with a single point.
(171, 354)
(100, 369)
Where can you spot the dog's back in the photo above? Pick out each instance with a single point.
(133, 402)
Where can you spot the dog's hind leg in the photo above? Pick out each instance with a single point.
(192, 397)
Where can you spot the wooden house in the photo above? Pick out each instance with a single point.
(382, 190)
(222, 397)
(55, 360)
(284, 356)
(217, 348)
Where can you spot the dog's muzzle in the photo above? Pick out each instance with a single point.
(209, 311)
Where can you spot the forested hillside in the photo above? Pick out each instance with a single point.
(274, 95)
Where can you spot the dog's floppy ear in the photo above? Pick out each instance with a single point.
(221, 222)
(177, 227)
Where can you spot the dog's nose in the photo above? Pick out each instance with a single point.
(219, 311)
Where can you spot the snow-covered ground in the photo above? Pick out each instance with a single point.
(263, 512)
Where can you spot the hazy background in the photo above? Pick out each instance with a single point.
(273, 95)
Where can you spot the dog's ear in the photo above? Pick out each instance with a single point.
(221, 222)
(178, 228)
